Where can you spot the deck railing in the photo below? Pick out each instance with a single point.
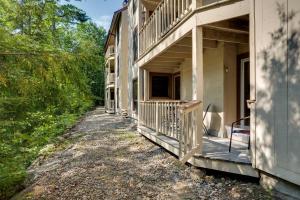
(162, 116)
(110, 78)
(166, 15)
(111, 105)
(177, 119)
(190, 141)
(110, 51)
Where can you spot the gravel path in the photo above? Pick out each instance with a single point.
(104, 158)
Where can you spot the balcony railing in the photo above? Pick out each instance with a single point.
(110, 78)
(111, 105)
(110, 51)
(162, 116)
(177, 119)
(166, 15)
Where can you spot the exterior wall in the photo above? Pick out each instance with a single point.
(132, 74)
(230, 83)
(277, 25)
(108, 84)
(185, 78)
(121, 62)
(214, 88)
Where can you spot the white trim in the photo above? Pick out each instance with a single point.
(242, 87)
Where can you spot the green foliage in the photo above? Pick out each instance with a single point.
(51, 72)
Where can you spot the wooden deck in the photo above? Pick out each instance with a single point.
(215, 153)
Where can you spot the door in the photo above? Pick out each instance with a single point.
(244, 87)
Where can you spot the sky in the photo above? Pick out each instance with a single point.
(100, 11)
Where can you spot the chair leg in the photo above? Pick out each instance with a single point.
(205, 129)
(230, 138)
(249, 143)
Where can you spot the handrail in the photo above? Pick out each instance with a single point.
(180, 120)
(189, 106)
(190, 141)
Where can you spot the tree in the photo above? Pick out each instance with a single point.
(51, 71)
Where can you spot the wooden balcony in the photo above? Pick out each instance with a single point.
(166, 15)
(111, 106)
(110, 52)
(171, 20)
(110, 78)
(177, 126)
(177, 120)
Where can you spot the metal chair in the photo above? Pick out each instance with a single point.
(247, 132)
(204, 127)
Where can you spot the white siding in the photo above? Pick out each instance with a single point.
(277, 88)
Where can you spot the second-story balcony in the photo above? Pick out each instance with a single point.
(165, 16)
(110, 52)
(110, 78)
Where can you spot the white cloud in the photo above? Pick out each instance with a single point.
(104, 21)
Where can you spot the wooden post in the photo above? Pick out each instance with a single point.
(197, 80)
(140, 75)
(156, 117)
(146, 85)
(196, 4)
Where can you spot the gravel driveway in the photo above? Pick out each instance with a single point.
(104, 158)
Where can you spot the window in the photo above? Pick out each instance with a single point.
(135, 44)
(135, 94)
(160, 86)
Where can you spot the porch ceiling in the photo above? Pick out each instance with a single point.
(230, 31)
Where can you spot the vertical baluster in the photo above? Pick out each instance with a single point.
(164, 17)
(151, 115)
(147, 114)
(179, 8)
(185, 132)
(180, 135)
(168, 118)
(172, 119)
(141, 113)
(150, 112)
(165, 118)
(156, 24)
(182, 7)
(159, 21)
(187, 5)
(160, 116)
(168, 14)
(148, 119)
(174, 11)
(145, 107)
(154, 115)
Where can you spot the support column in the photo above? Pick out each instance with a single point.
(146, 85)
(197, 80)
(141, 78)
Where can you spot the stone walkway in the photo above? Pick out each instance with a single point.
(104, 158)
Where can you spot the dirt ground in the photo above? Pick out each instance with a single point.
(104, 158)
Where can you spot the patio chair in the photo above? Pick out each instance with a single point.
(204, 127)
(247, 132)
